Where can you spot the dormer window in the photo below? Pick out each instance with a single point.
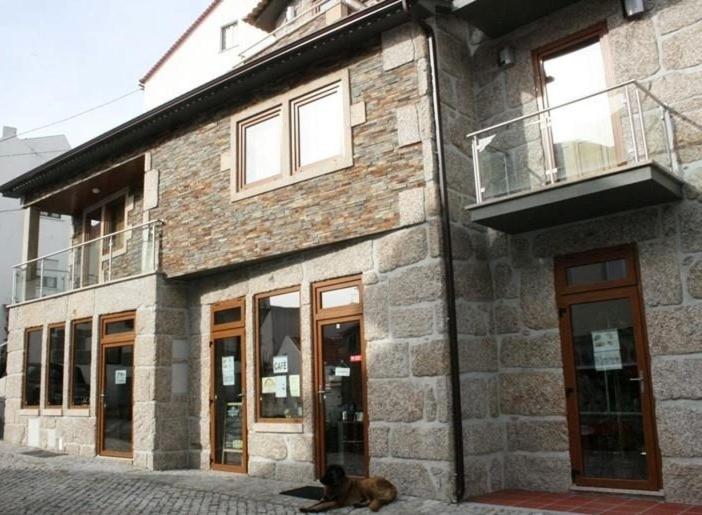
(229, 37)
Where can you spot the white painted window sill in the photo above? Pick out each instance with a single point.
(52, 412)
(264, 427)
(77, 412)
(29, 412)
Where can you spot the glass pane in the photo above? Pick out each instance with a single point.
(279, 356)
(91, 251)
(344, 432)
(320, 126)
(54, 393)
(341, 297)
(596, 272)
(229, 408)
(82, 357)
(117, 401)
(32, 369)
(262, 147)
(121, 326)
(227, 316)
(114, 222)
(609, 390)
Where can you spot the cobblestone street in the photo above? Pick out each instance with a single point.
(69, 484)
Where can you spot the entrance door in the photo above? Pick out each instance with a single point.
(116, 386)
(228, 388)
(340, 378)
(607, 378)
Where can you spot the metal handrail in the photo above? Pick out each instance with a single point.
(84, 243)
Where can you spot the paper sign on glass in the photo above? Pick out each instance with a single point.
(228, 378)
(120, 377)
(342, 371)
(280, 364)
(281, 386)
(606, 350)
(294, 385)
(268, 384)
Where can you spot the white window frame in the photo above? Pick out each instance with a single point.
(286, 105)
(222, 37)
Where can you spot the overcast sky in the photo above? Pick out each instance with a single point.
(60, 57)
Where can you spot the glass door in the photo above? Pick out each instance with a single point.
(116, 401)
(607, 377)
(91, 251)
(228, 404)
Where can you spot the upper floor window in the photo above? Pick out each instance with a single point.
(229, 36)
(106, 218)
(301, 134)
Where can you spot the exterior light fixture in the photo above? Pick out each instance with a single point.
(633, 8)
(505, 57)
(95, 191)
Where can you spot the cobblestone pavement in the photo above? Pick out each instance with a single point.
(70, 484)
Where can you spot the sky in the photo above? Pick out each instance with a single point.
(61, 57)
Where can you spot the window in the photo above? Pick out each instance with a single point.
(106, 218)
(229, 38)
(81, 358)
(278, 353)
(292, 137)
(3, 359)
(54, 368)
(50, 282)
(32, 368)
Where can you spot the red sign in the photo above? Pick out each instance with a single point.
(356, 358)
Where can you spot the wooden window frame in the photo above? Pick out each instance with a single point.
(286, 104)
(218, 332)
(102, 205)
(323, 317)
(72, 353)
(27, 331)
(629, 288)
(47, 371)
(257, 362)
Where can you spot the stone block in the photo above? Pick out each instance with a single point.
(411, 206)
(423, 283)
(473, 280)
(422, 443)
(681, 49)
(682, 480)
(675, 331)
(660, 272)
(674, 14)
(537, 435)
(407, 120)
(475, 397)
(474, 318)
(483, 437)
(639, 39)
(395, 401)
(358, 113)
(694, 279)
(275, 276)
(294, 472)
(376, 312)
(401, 248)
(679, 378)
(538, 298)
(506, 318)
(150, 196)
(520, 252)
(267, 445)
(549, 473)
(398, 46)
(532, 393)
(504, 283)
(430, 358)
(477, 476)
(679, 429)
(261, 468)
(412, 322)
(691, 227)
(410, 477)
(477, 354)
(349, 260)
(378, 445)
(387, 359)
(541, 350)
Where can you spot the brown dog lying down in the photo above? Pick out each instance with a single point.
(340, 491)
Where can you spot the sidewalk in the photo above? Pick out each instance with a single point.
(76, 485)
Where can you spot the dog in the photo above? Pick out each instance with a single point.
(341, 490)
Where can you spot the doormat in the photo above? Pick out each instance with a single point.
(313, 493)
(41, 454)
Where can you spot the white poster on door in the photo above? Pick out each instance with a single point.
(342, 372)
(294, 385)
(120, 377)
(606, 350)
(280, 364)
(228, 376)
(281, 387)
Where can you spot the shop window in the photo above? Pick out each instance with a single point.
(54, 365)
(32, 368)
(279, 359)
(81, 359)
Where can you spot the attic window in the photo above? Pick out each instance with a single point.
(229, 36)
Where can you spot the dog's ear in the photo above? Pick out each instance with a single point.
(334, 476)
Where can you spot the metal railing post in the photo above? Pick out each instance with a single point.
(670, 139)
(154, 246)
(642, 124)
(476, 172)
(109, 259)
(14, 285)
(82, 266)
(41, 279)
(627, 99)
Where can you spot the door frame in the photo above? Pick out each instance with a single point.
(125, 339)
(629, 288)
(323, 317)
(217, 332)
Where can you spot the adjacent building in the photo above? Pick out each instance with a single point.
(457, 245)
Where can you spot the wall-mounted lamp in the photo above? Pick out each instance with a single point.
(505, 57)
(633, 8)
(95, 191)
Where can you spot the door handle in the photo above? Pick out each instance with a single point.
(639, 379)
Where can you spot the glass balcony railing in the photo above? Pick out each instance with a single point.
(612, 129)
(120, 255)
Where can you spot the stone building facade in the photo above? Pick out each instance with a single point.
(377, 223)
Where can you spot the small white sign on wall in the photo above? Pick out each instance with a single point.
(280, 364)
(606, 350)
(228, 377)
(120, 377)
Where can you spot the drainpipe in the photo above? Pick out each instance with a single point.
(447, 255)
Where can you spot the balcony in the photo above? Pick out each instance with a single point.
(117, 256)
(610, 151)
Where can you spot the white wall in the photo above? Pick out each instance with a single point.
(199, 59)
